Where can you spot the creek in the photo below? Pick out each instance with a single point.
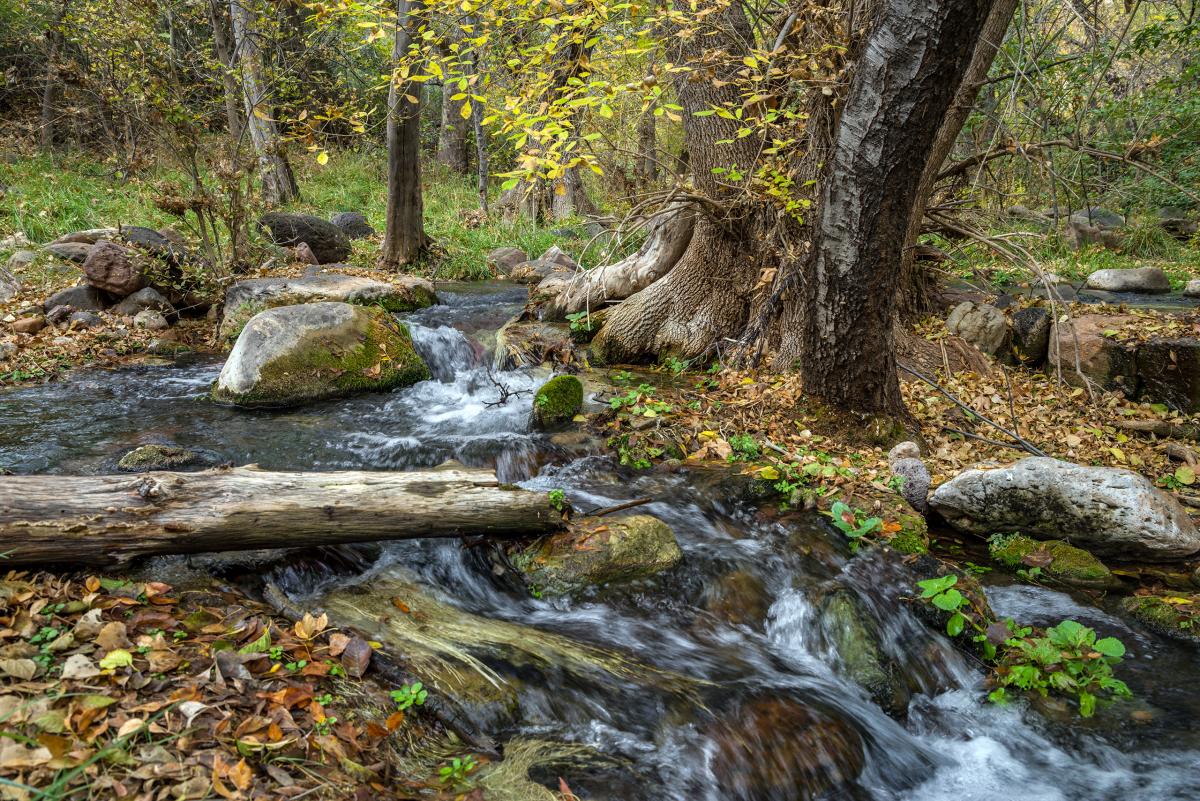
(735, 680)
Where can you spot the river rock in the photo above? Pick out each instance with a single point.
(904, 460)
(1192, 289)
(1102, 357)
(16, 240)
(86, 237)
(328, 242)
(860, 653)
(739, 597)
(528, 343)
(1176, 222)
(557, 401)
(80, 298)
(150, 320)
(1108, 510)
(245, 299)
(84, 319)
(1143, 280)
(1099, 217)
(597, 552)
(1031, 335)
(70, 251)
(110, 267)
(10, 285)
(534, 272)
(504, 260)
(29, 325)
(779, 749)
(1158, 614)
(146, 298)
(1168, 371)
(21, 259)
(982, 325)
(353, 224)
(293, 355)
(1059, 561)
(555, 255)
(157, 457)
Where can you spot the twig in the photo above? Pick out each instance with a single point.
(988, 440)
(1025, 444)
(620, 507)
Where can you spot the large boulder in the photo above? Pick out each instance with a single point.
(143, 299)
(1102, 357)
(503, 260)
(982, 325)
(557, 401)
(1098, 217)
(245, 299)
(113, 268)
(353, 224)
(1031, 335)
(328, 242)
(292, 355)
(597, 552)
(1108, 510)
(1143, 280)
(80, 298)
(70, 251)
(1168, 371)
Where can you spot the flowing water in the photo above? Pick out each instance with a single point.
(735, 680)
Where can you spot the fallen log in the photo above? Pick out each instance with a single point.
(108, 520)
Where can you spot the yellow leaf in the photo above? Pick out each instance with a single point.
(323, 157)
(464, 111)
(769, 473)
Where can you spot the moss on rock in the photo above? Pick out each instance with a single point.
(1169, 615)
(557, 401)
(597, 552)
(155, 457)
(1067, 564)
(859, 650)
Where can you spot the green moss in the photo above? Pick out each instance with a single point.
(1068, 564)
(233, 322)
(1177, 620)
(557, 401)
(597, 553)
(383, 359)
(858, 649)
(155, 457)
(913, 536)
(416, 297)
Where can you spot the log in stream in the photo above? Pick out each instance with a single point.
(107, 520)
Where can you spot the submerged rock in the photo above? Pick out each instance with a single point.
(1111, 511)
(557, 401)
(245, 299)
(328, 242)
(157, 457)
(597, 552)
(779, 749)
(860, 654)
(1144, 280)
(1058, 560)
(292, 355)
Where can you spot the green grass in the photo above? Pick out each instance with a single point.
(46, 199)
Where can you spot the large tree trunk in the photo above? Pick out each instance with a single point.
(915, 298)
(903, 85)
(404, 239)
(50, 89)
(223, 48)
(278, 182)
(106, 520)
(452, 138)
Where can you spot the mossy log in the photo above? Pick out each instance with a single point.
(108, 520)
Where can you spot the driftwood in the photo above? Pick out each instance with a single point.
(1161, 428)
(106, 520)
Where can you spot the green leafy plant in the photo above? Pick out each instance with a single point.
(640, 401)
(410, 695)
(457, 773)
(854, 523)
(558, 499)
(745, 448)
(581, 322)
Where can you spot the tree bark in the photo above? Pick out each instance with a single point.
(645, 167)
(106, 520)
(915, 298)
(275, 173)
(452, 138)
(223, 49)
(50, 90)
(904, 83)
(404, 239)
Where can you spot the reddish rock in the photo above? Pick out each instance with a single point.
(29, 325)
(110, 267)
(1102, 357)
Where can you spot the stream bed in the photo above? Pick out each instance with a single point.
(732, 682)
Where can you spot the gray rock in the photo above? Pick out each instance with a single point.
(534, 272)
(1192, 290)
(1144, 280)
(111, 267)
(328, 242)
(147, 298)
(7, 349)
(245, 299)
(353, 224)
(291, 355)
(59, 314)
(10, 285)
(85, 319)
(80, 298)
(505, 259)
(905, 461)
(150, 320)
(1176, 222)
(21, 259)
(17, 240)
(555, 255)
(1107, 510)
(1099, 218)
(71, 251)
(1031, 335)
(87, 237)
(982, 325)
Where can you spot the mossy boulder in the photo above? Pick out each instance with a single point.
(1175, 616)
(1058, 560)
(557, 401)
(597, 552)
(157, 457)
(293, 355)
(861, 657)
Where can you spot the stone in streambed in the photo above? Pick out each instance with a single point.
(156, 457)
(557, 401)
(1169, 615)
(328, 242)
(1108, 510)
(597, 552)
(1143, 280)
(293, 355)
(860, 655)
(1058, 560)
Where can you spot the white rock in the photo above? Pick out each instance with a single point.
(1106, 510)
(1192, 290)
(1145, 280)
(151, 320)
(982, 325)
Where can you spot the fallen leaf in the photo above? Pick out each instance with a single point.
(23, 669)
(356, 656)
(79, 666)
